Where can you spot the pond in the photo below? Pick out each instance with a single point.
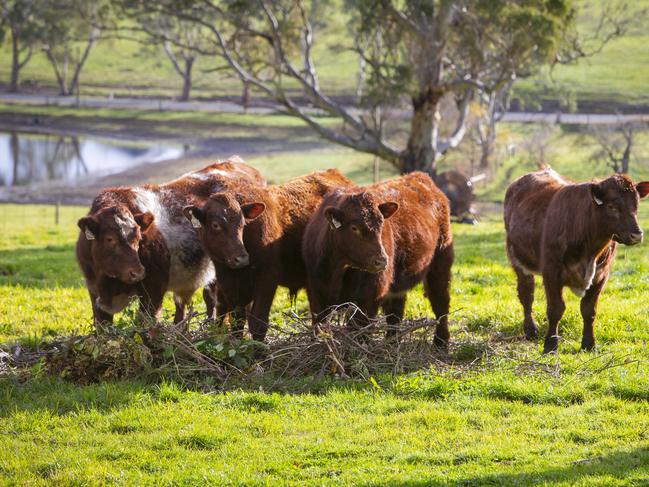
(27, 158)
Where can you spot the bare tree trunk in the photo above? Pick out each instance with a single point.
(81, 62)
(626, 157)
(14, 145)
(187, 79)
(360, 79)
(420, 151)
(15, 63)
(245, 95)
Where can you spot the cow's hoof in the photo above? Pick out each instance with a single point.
(588, 345)
(551, 345)
(531, 330)
(441, 343)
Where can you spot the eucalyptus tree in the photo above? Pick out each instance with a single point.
(69, 31)
(19, 21)
(414, 52)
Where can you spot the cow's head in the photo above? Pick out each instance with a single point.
(616, 203)
(114, 235)
(220, 224)
(356, 223)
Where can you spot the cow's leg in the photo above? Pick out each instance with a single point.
(393, 307)
(264, 294)
(437, 285)
(150, 304)
(238, 321)
(526, 297)
(555, 310)
(182, 301)
(589, 312)
(210, 298)
(101, 319)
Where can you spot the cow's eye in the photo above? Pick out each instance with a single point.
(110, 240)
(612, 207)
(216, 226)
(355, 229)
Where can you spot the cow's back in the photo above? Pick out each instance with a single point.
(526, 205)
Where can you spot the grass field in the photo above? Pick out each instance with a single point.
(494, 411)
(121, 68)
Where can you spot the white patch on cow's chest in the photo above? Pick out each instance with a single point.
(189, 267)
(583, 276)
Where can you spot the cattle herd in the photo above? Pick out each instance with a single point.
(223, 229)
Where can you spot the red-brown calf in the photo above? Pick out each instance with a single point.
(254, 237)
(568, 233)
(135, 241)
(370, 245)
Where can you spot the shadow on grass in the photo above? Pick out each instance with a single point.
(60, 397)
(41, 267)
(617, 464)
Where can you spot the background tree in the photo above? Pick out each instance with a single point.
(422, 49)
(182, 42)
(616, 144)
(18, 20)
(69, 31)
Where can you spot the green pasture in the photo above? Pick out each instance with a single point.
(492, 411)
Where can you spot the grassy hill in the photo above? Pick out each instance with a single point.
(612, 79)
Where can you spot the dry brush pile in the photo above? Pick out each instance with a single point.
(208, 354)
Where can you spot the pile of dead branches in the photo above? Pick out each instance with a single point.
(209, 353)
(335, 348)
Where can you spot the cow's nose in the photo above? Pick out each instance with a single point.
(136, 275)
(240, 261)
(636, 238)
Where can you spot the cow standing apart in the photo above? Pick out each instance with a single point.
(135, 241)
(568, 233)
(370, 245)
(254, 237)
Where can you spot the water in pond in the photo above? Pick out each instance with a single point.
(28, 158)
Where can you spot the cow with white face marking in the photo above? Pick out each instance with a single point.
(136, 242)
(568, 233)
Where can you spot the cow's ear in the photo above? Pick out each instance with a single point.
(252, 210)
(334, 216)
(144, 220)
(597, 194)
(89, 226)
(388, 209)
(642, 189)
(195, 215)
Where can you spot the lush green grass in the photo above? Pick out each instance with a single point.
(494, 411)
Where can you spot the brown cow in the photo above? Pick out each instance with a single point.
(371, 245)
(135, 241)
(568, 233)
(261, 227)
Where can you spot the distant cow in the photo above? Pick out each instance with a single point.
(568, 233)
(254, 237)
(459, 191)
(370, 245)
(135, 241)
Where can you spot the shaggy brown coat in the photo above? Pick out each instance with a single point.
(135, 241)
(568, 233)
(254, 237)
(370, 245)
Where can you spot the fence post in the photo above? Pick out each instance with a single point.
(56, 212)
